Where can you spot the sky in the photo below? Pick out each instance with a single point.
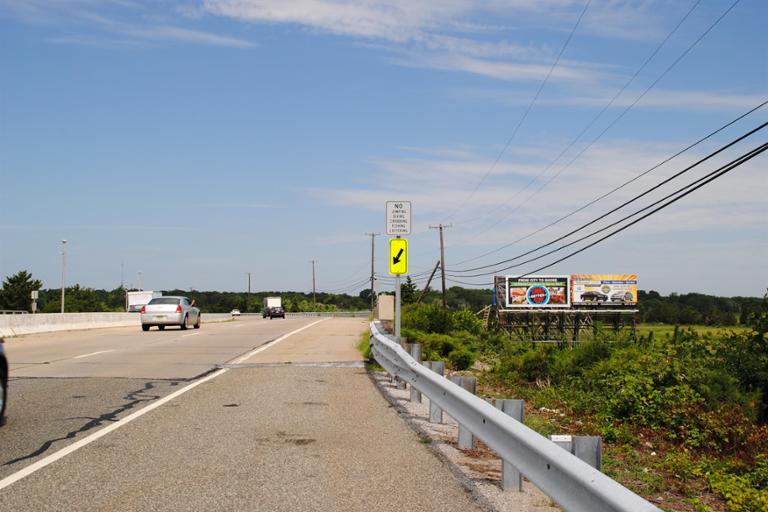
(183, 144)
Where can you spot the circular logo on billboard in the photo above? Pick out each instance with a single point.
(537, 295)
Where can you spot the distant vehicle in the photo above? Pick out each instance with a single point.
(278, 312)
(3, 383)
(235, 312)
(162, 311)
(593, 297)
(621, 297)
(134, 301)
(269, 303)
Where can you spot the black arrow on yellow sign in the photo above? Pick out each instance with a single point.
(396, 259)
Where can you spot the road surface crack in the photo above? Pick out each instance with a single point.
(134, 398)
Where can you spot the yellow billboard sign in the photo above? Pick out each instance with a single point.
(398, 256)
(604, 289)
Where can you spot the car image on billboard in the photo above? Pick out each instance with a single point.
(607, 290)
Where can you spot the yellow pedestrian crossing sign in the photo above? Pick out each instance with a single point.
(398, 256)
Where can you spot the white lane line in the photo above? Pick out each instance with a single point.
(32, 468)
(92, 354)
(188, 335)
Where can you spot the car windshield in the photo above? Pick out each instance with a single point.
(164, 300)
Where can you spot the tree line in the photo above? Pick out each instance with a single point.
(684, 309)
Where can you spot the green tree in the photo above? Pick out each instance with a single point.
(408, 291)
(17, 290)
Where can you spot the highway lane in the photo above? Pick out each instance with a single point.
(292, 427)
(66, 385)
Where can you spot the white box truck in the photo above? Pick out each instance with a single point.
(273, 307)
(134, 301)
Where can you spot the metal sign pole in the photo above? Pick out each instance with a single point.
(397, 306)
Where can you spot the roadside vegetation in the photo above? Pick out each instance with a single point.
(683, 411)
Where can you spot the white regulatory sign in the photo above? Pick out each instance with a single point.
(398, 218)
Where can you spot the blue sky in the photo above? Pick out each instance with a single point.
(196, 141)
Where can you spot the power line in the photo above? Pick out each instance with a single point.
(619, 187)
(525, 114)
(631, 200)
(616, 119)
(679, 193)
(729, 168)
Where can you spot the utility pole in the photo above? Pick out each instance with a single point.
(442, 256)
(429, 281)
(373, 256)
(314, 291)
(248, 297)
(138, 276)
(63, 270)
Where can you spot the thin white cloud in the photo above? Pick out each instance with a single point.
(87, 24)
(185, 35)
(237, 205)
(664, 99)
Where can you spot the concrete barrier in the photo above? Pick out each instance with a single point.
(19, 325)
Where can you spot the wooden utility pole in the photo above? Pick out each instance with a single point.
(373, 256)
(429, 281)
(314, 290)
(441, 227)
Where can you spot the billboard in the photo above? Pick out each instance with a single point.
(538, 292)
(604, 289)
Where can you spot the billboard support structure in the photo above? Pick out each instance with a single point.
(562, 325)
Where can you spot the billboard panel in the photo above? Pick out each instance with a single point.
(604, 289)
(538, 292)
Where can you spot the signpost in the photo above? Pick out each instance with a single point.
(398, 256)
(398, 220)
(35, 294)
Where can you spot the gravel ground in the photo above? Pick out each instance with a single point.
(479, 470)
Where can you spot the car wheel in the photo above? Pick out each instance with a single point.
(3, 395)
(144, 327)
(185, 323)
(197, 324)
(161, 327)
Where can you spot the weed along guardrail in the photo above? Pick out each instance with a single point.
(568, 480)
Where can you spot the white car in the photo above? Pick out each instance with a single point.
(162, 311)
(235, 312)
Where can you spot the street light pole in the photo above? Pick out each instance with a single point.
(314, 291)
(63, 270)
(248, 297)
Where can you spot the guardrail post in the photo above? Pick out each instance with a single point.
(416, 354)
(466, 439)
(435, 412)
(511, 478)
(587, 448)
(401, 384)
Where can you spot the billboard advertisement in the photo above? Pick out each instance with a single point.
(604, 289)
(538, 292)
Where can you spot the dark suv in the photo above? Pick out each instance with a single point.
(276, 312)
(3, 383)
(594, 297)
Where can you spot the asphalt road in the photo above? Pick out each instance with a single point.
(290, 423)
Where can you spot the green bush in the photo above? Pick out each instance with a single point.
(461, 358)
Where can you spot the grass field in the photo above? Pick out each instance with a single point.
(667, 329)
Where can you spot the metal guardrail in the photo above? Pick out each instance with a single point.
(569, 481)
(13, 312)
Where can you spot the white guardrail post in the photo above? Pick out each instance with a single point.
(572, 483)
